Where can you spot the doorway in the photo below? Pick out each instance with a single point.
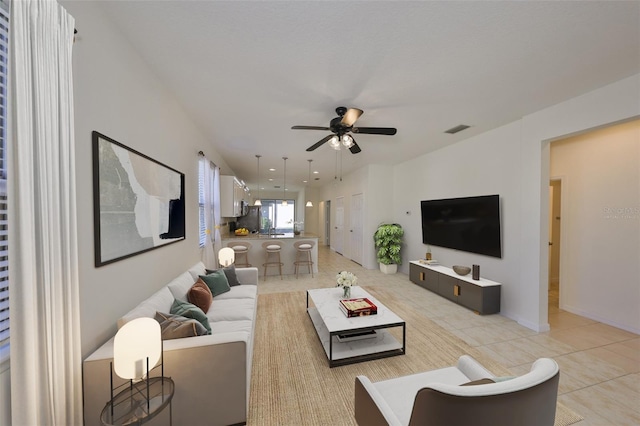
(327, 223)
(357, 217)
(338, 240)
(555, 215)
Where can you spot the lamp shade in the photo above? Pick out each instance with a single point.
(136, 341)
(226, 256)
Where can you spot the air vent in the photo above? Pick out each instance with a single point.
(276, 186)
(456, 129)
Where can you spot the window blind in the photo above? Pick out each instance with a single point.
(4, 237)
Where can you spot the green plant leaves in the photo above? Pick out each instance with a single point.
(388, 242)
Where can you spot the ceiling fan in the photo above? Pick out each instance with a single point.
(341, 126)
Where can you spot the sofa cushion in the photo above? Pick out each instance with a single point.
(200, 295)
(190, 310)
(231, 310)
(217, 282)
(177, 327)
(230, 273)
(219, 327)
(196, 270)
(161, 301)
(394, 391)
(180, 286)
(240, 292)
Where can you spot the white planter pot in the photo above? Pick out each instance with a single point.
(388, 269)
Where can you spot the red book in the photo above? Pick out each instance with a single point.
(358, 307)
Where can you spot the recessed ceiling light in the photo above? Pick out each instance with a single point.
(270, 179)
(272, 170)
(315, 172)
(304, 181)
(456, 129)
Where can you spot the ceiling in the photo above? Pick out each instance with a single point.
(248, 71)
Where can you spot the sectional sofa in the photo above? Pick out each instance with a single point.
(212, 373)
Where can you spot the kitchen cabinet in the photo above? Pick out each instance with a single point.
(481, 296)
(231, 196)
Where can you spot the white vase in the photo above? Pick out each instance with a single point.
(389, 269)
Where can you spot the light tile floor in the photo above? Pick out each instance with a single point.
(599, 364)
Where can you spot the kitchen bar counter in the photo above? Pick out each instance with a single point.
(257, 255)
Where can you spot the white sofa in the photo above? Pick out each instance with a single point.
(212, 373)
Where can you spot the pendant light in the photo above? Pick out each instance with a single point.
(258, 202)
(284, 196)
(309, 203)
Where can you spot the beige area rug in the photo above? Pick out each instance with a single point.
(292, 383)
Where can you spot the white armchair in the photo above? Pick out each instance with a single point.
(446, 397)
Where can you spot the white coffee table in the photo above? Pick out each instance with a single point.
(350, 340)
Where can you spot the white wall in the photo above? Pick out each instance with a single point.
(600, 221)
(482, 165)
(512, 161)
(117, 94)
(375, 182)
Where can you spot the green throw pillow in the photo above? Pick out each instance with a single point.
(176, 327)
(217, 282)
(189, 310)
(230, 273)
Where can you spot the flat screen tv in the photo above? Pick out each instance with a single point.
(470, 224)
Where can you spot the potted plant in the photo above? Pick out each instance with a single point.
(388, 242)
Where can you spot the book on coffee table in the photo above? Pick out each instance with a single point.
(358, 307)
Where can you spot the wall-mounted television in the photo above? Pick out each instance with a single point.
(470, 224)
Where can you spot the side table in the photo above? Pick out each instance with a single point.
(131, 407)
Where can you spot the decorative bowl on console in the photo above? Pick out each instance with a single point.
(461, 270)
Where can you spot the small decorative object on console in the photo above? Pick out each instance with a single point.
(358, 307)
(461, 270)
(476, 272)
(345, 280)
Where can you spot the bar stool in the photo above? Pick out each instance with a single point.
(303, 249)
(241, 251)
(273, 256)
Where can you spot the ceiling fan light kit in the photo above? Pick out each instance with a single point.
(340, 126)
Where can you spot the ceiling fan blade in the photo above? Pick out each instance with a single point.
(375, 130)
(351, 116)
(319, 143)
(309, 128)
(354, 148)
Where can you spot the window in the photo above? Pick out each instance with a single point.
(274, 215)
(205, 172)
(202, 226)
(4, 242)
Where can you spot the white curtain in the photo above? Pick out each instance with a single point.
(208, 254)
(217, 238)
(45, 324)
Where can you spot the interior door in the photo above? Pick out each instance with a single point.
(355, 229)
(555, 196)
(338, 227)
(327, 224)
